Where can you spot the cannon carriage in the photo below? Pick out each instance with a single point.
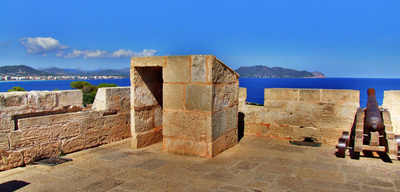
(372, 131)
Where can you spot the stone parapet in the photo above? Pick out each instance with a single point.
(391, 101)
(36, 125)
(319, 114)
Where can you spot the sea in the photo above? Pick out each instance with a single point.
(255, 86)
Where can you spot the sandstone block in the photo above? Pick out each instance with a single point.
(27, 138)
(232, 118)
(73, 144)
(222, 73)
(10, 159)
(158, 116)
(143, 120)
(4, 142)
(69, 98)
(140, 140)
(341, 97)
(96, 138)
(173, 96)
(312, 95)
(158, 61)
(226, 141)
(256, 129)
(198, 97)
(43, 100)
(13, 99)
(275, 104)
(95, 122)
(6, 124)
(210, 59)
(281, 94)
(187, 147)
(66, 130)
(177, 69)
(242, 94)
(219, 124)
(143, 97)
(41, 151)
(199, 68)
(192, 126)
(231, 138)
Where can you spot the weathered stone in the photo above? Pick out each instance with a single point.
(45, 100)
(158, 116)
(281, 94)
(219, 124)
(198, 68)
(173, 96)
(148, 61)
(186, 147)
(391, 101)
(73, 144)
(10, 159)
(69, 98)
(198, 97)
(223, 74)
(232, 118)
(186, 125)
(242, 94)
(69, 129)
(96, 138)
(177, 69)
(313, 95)
(4, 146)
(143, 120)
(13, 99)
(27, 138)
(143, 97)
(41, 151)
(341, 97)
(300, 133)
(6, 124)
(140, 140)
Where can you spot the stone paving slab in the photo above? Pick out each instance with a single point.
(255, 164)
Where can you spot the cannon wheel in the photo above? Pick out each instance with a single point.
(343, 142)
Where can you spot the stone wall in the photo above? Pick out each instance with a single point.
(319, 114)
(36, 125)
(199, 104)
(391, 101)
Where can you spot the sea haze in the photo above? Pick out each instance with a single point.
(255, 86)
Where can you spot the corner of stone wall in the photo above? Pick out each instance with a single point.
(391, 101)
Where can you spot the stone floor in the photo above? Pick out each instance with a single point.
(255, 164)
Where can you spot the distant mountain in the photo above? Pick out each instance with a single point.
(21, 70)
(114, 72)
(275, 72)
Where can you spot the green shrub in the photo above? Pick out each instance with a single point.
(89, 90)
(16, 89)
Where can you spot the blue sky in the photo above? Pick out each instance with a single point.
(338, 38)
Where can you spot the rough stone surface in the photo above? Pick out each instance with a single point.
(199, 68)
(391, 101)
(53, 123)
(198, 98)
(148, 61)
(173, 96)
(300, 113)
(177, 69)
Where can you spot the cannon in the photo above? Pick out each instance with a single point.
(372, 131)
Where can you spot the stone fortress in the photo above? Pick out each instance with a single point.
(193, 104)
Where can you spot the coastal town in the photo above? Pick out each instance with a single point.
(62, 77)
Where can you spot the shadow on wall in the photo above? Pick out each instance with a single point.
(240, 125)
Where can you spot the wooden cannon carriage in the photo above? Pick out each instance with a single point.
(372, 131)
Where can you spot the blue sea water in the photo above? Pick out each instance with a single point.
(255, 86)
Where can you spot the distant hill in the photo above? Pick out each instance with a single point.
(21, 70)
(60, 71)
(275, 72)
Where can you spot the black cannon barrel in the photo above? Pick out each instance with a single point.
(373, 119)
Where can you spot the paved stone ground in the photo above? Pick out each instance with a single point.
(255, 164)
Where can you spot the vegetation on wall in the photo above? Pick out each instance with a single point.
(89, 90)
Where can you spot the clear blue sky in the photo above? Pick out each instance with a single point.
(338, 38)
